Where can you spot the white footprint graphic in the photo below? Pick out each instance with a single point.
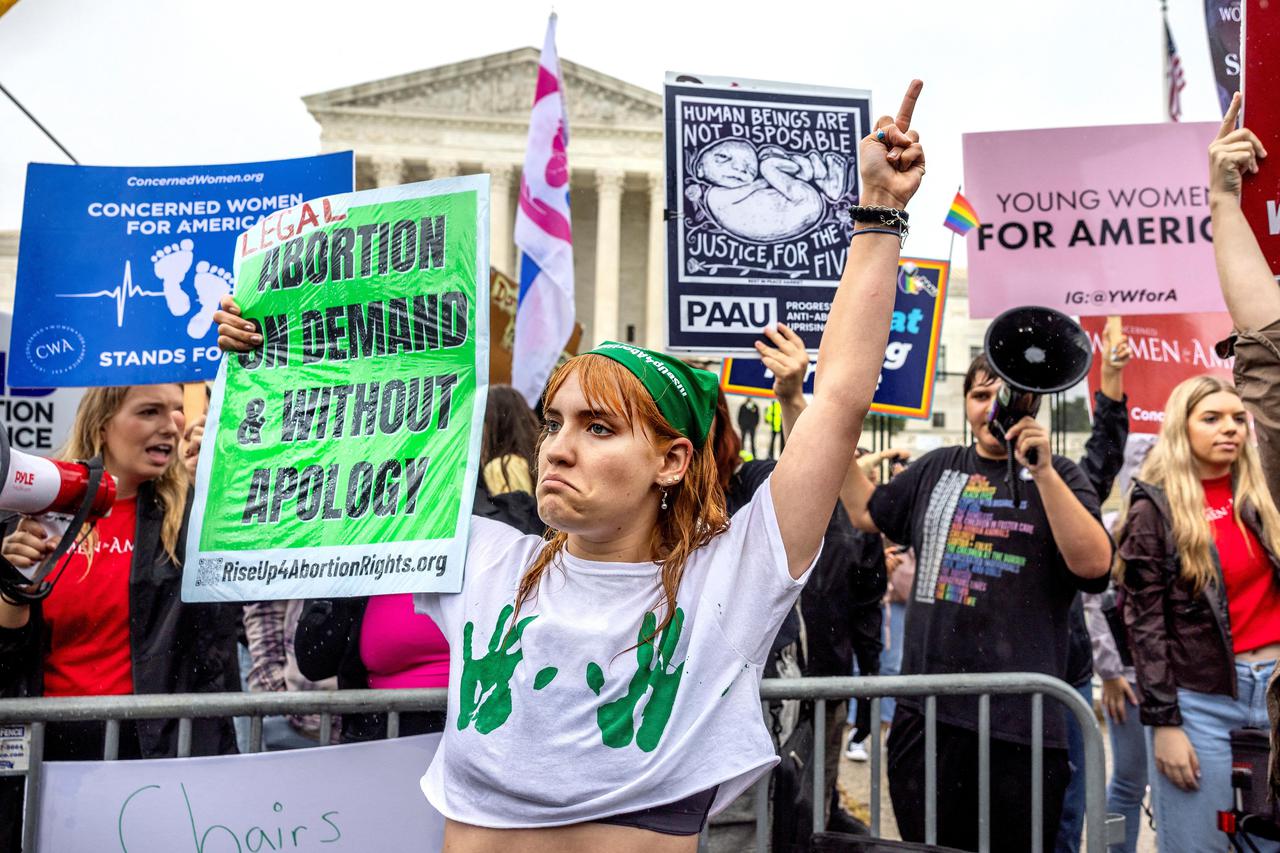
(212, 283)
(171, 266)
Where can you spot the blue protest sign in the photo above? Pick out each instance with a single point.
(121, 268)
(906, 380)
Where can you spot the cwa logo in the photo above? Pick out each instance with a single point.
(726, 313)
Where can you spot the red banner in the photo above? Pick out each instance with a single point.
(1261, 197)
(1167, 348)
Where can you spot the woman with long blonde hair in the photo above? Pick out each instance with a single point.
(1199, 560)
(603, 684)
(114, 623)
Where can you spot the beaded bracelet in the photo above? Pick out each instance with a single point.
(889, 216)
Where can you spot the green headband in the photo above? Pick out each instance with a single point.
(685, 395)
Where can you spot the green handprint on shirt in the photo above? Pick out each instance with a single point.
(485, 692)
(617, 719)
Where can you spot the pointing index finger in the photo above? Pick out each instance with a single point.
(903, 121)
(1229, 120)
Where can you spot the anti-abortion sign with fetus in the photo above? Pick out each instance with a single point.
(760, 179)
(121, 268)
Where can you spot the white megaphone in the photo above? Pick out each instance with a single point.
(63, 496)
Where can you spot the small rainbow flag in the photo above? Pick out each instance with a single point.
(961, 218)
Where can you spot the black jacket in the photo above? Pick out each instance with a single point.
(1102, 461)
(1104, 451)
(175, 647)
(1178, 637)
(841, 602)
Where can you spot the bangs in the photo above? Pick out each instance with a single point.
(608, 387)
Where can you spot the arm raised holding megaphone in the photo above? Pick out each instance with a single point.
(1030, 441)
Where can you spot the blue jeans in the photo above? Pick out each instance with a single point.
(891, 656)
(1128, 784)
(1187, 821)
(1072, 824)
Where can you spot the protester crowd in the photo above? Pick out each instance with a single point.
(618, 501)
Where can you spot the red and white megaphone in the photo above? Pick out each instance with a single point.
(65, 495)
(35, 485)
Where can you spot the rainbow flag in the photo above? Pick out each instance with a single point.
(961, 218)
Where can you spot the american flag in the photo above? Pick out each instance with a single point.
(1173, 76)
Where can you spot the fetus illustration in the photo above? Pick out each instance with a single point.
(768, 194)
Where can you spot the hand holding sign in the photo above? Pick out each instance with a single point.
(1234, 153)
(235, 334)
(787, 359)
(891, 159)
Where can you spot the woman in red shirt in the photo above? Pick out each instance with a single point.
(1198, 559)
(115, 623)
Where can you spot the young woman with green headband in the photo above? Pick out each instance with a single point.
(604, 683)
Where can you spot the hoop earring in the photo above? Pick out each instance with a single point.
(663, 505)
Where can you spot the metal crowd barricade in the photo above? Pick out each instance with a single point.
(1100, 829)
(184, 707)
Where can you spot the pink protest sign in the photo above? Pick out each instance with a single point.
(1092, 220)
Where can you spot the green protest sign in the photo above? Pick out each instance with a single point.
(341, 457)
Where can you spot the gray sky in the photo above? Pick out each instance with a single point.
(167, 82)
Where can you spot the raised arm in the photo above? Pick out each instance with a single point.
(1250, 292)
(1104, 451)
(808, 477)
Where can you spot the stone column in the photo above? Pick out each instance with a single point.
(655, 278)
(501, 218)
(604, 324)
(442, 168)
(388, 171)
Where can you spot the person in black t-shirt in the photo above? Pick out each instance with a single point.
(993, 586)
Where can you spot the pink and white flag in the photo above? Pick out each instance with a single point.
(545, 310)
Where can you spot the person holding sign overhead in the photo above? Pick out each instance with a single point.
(1254, 302)
(604, 682)
(1247, 287)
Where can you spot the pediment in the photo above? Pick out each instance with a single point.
(501, 86)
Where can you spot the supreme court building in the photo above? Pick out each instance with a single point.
(472, 117)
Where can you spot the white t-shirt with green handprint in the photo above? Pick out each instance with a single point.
(561, 719)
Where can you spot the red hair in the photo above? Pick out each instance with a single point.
(697, 506)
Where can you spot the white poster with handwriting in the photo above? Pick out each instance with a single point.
(352, 798)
